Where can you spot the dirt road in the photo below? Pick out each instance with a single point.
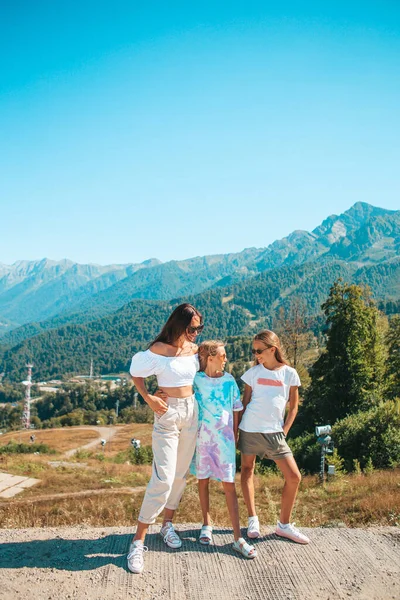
(87, 563)
(106, 433)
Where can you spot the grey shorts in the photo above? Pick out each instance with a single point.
(264, 445)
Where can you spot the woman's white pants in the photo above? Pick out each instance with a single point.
(174, 443)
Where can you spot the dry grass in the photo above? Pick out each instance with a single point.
(96, 512)
(356, 500)
(352, 500)
(61, 440)
(122, 439)
(68, 478)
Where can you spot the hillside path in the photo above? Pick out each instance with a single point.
(106, 433)
(87, 563)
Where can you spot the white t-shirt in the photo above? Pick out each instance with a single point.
(265, 412)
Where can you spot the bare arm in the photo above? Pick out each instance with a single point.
(293, 408)
(246, 399)
(246, 396)
(236, 414)
(156, 404)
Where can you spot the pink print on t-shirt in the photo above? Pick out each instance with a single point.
(273, 382)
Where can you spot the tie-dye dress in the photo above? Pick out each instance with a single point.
(215, 455)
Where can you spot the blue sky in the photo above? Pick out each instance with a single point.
(174, 129)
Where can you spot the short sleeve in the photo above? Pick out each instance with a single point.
(145, 364)
(197, 362)
(247, 377)
(295, 379)
(237, 403)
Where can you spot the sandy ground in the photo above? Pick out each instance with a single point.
(87, 563)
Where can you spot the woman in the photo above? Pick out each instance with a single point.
(172, 357)
(270, 385)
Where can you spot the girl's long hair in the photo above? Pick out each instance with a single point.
(206, 349)
(177, 323)
(271, 340)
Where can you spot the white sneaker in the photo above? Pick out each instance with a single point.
(170, 537)
(253, 528)
(291, 532)
(135, 557)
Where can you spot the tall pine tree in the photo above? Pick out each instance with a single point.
(348, 376)
(393, 362)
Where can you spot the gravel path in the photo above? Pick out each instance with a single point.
(87, 563)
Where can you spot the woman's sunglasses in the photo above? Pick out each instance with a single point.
(190, 329)
(258, 350)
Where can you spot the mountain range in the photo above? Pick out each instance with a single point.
(238, 291)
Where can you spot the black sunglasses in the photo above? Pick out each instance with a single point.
(190, 329)
(258, 351)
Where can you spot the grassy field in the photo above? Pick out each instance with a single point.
(67, 438)
(355, 500)
(60, 440)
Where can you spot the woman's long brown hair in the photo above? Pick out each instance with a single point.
(177, 323)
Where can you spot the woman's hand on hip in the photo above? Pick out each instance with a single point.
(161, 394)
(157, 405)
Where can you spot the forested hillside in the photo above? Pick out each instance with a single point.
(350, 377)
(108, 312)
(241, 308)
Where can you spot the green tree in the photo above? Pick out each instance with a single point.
(348, 376)
(393, 361)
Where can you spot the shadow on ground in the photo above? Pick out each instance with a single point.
(88, 554)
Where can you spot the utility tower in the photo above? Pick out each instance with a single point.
(91, 369)
(26, 414)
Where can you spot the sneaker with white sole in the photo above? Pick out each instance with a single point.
(135, 557)
(170, 537)
(291, 532)
(253, 528)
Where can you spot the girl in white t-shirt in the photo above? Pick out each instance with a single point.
(270, 385)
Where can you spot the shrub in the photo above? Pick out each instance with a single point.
(14, 448)
(82, 454)
(369, 467)
(337, 461)
(142, 456)
(371, 435)
(100, 456)
(307, 452)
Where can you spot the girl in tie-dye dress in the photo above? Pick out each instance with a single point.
(219, 403)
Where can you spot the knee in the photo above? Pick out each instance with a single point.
(164, 488)
(294, 478)
(246, 472)
(229, 488)
(163, 480)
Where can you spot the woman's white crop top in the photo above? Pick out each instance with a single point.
(171, 371)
